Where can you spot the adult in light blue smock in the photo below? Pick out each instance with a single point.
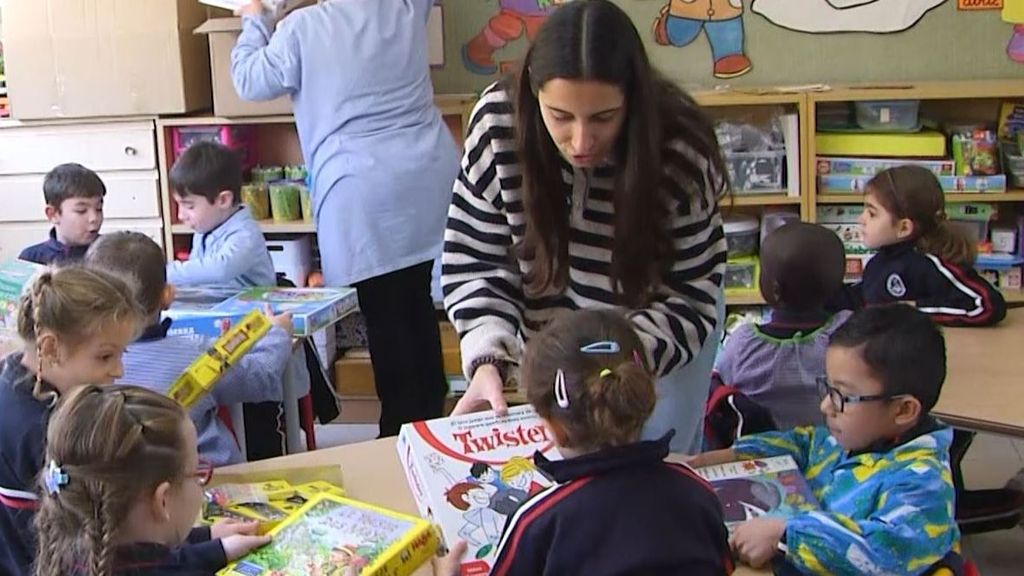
(382, 164)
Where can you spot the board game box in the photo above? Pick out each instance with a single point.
(469, 473)
(210, 311)
(750, 489)
(330, 533)
(871, 166)
(14, 275)
(849, 184)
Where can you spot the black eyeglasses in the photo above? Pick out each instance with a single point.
(840, 400)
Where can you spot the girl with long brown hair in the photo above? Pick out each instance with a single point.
(589, 181)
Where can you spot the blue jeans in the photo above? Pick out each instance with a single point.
(683, 393)
(725, 36)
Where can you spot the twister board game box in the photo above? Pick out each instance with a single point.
(330, 533)
(209, 311)
(469, 473)
(761, 487)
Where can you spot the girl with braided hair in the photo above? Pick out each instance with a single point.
(74, 324)
(122, 488)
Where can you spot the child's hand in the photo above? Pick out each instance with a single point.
(449, 565)
(756, 541)
(253, 8)
(282, 321)
(237, 538)
(485, 391)
(710, 458)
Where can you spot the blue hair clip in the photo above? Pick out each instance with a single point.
(55, 478)
(602, 347)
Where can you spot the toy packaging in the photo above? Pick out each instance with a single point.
(14, 276)
(330, 533)
(469, 473)
(763, 487)
(975, 152)
(209, 311)
(207, 369)
(848, 184)
(870, 166)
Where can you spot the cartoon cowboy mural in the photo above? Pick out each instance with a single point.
(513, 19)
(681, 21)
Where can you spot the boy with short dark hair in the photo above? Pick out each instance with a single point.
(880, 465)
(74, 205)
(776, 364)
(228, 248)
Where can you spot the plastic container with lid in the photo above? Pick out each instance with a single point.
(742, 275)
(772, 220)
(888, 115)
(741, 234)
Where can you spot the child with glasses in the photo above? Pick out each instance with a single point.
(879, 467)
(122, 488)
(617, 507)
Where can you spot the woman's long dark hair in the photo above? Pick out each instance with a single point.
(596, 40)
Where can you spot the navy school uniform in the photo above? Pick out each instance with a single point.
(620, 511)
(53, 251)
(200, 557)
(953, 295)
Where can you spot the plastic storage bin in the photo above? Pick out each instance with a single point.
(773, 220)
(242, 139)
(756, 172)
(741, 234)
(292, 256)
(888, 115)
(742, 274)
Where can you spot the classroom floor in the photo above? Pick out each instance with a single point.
(990, 462)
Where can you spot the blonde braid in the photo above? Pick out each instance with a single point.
(98, 530)
(41, 284)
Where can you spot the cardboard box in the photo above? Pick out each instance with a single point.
(359, 410)
(88, 58)
(353, 374)
(223, 33)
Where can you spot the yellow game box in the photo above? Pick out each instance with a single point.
(331, 533)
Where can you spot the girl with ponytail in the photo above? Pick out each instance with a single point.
(922, 258)
(617, 507)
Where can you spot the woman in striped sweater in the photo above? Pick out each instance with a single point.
(589, 181)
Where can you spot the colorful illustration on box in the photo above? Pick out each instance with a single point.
(680, 22)
(831, 16)
(329, 537)
(1013, 13)
(515, 18)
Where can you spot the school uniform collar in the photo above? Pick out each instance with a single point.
(69, 252)
(223, 227)
(898, 248)
(926, 425)
(640, 453)
(156, 331)
(789, 323)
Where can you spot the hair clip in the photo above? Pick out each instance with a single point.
(55, 478)
(636, 358)
(606, 372)
(602, 347)
(561, 394)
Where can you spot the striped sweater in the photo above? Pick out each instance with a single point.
(482, 279)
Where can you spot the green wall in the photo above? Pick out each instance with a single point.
(945, 45)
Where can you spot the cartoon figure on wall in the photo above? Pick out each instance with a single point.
(681, 21)
(830, 16)
(514, 18)
(1013, 12)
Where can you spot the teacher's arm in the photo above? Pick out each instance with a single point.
(266, 64)
(482, 285)
(683, 311)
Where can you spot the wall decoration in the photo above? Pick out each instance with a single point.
(1013, 12)
(979, 4)
(680, 22)
(831, 16)
(514, 19)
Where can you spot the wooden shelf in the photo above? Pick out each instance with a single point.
(745, 298)
(958, 90)
(1013, 296)
(268, 227)
(1008, 196)
(770, 199)
(748, 97)
(448, 104)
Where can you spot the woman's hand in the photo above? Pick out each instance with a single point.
(253, 8)
(485, 391)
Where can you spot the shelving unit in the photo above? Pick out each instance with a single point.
(951, 101)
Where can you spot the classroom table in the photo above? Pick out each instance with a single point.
(372, 474)
(985, 378)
